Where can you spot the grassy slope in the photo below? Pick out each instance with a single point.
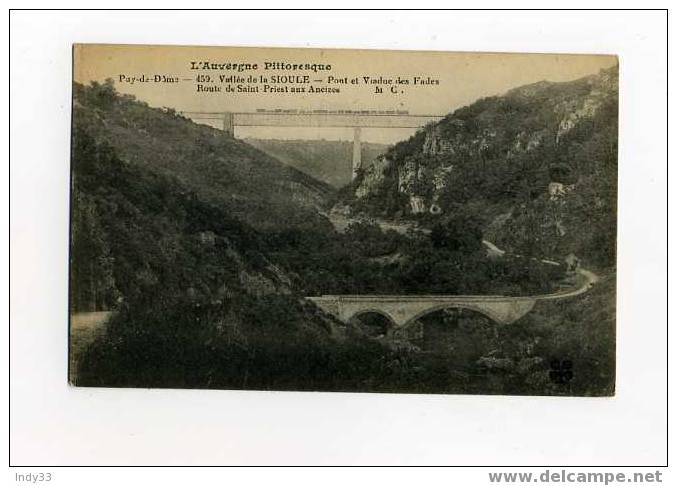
(250, 184)
(326, 160)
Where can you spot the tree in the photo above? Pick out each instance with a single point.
(458, 233)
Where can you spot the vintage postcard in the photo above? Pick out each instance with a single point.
(343, 220)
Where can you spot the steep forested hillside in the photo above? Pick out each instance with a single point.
(326, 160)
(197, 300)
(137, 235)
(253, 186)
(537, 166)
(160, 234)
(204, 247)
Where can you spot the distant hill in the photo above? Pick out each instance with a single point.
(253, 186)
(537, 166)
(329, 161)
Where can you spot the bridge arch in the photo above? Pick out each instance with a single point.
(389, 321)
(380, 312)
(496, 319)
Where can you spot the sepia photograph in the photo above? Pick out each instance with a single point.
(343, 220)
(407, 245)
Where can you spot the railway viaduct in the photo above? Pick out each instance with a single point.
(355, 119)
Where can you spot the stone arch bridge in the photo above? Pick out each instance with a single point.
(402, 310)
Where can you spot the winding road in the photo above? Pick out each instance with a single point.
(401, 309)
(404, 309)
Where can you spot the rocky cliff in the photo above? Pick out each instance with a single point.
(536, 165)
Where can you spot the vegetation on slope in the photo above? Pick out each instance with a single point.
(534, 166)
(367, 260)
(329, 161)
(207, 296)
(227, 172)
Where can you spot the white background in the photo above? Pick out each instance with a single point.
(54, 424)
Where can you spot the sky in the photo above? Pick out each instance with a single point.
(462, 78)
